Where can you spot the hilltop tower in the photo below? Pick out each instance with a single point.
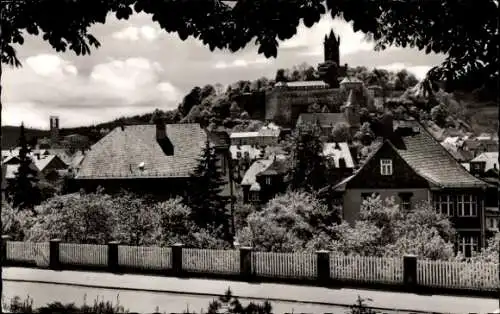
(54, 130)
(331, 46)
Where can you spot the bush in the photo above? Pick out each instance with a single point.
(76, 218)
(287, 223)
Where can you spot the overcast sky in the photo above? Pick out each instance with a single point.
(139, 68)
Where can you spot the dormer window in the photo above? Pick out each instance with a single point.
(386, 167)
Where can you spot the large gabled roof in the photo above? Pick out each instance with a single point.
(428, 158)
(119, 153)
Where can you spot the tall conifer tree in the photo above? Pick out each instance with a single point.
(205, 200)
(24, 190)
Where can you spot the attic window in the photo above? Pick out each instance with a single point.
(386, 167)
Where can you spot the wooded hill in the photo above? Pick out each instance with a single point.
(232, 107)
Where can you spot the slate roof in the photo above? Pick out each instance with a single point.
(350, 79)
(457, 153)
(342, 151)
(428, 158)
(433, 162)
(315, 84)
(44, 161)
(119, 153)
(257, 167)
(474, 144)
(278, 166)
(324, 119)
(243, 134)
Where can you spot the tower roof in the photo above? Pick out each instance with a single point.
(331, 36)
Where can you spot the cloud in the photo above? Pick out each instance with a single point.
(419, 71)
(51, 65)
(135, 33)
(49, 84)
(241, 63)
(311, 39)
(140, 66)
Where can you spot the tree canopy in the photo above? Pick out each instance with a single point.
(471, 45)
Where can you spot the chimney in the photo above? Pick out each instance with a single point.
(54, 130)
(342, 163)
(161, 133)
(161, 129)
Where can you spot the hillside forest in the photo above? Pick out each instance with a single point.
(235, 106)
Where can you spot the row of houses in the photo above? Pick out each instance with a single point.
(409, 165)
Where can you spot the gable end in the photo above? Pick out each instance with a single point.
(402, 177)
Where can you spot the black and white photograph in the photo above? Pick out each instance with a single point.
(250, 156)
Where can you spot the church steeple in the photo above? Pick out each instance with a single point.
(331, 46)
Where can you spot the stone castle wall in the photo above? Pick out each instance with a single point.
(285, 105)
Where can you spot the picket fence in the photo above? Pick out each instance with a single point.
(367, 268)
(284, 265)
(300, 266)
(211, 261)
(458, 275)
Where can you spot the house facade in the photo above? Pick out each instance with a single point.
(264, 179)
(485, 166)
(413, 167)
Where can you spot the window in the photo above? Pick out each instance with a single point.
(268, 180)
(466, 205)
(443, 204)
(386, 167)
(405, 203)
(238, 155)
(254, 196)
(492, 223)
(467, 245)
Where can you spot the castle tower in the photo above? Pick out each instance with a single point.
(54, 130)
(331, 46)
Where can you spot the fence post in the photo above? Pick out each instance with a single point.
(5, 239)
(410, 271)
(323, 266)
(113, 265)
(246, 263)
(177, 259)
(54, 262)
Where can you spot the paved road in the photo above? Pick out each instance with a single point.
(174, 294)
